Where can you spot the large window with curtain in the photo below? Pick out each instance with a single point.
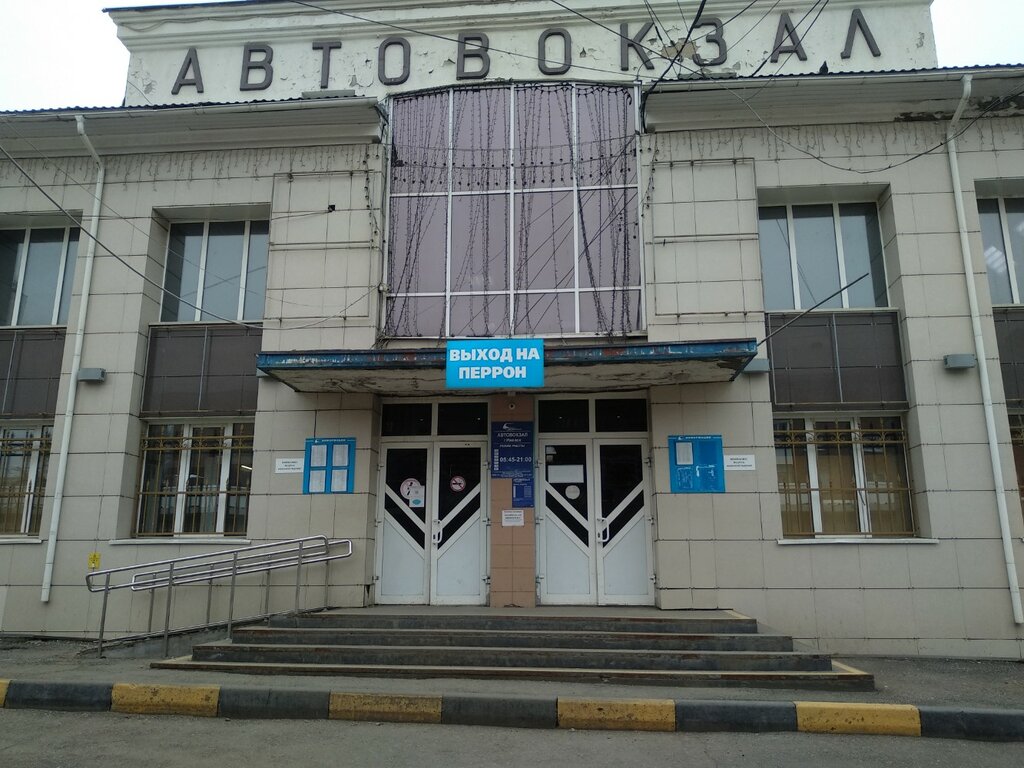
(514, 210)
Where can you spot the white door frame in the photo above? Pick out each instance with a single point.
(596, 525)
(431, 526)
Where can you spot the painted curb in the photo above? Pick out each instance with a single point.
(511, 712)
(74, 697)
(387, 708)
(273, 703)
(748, 716)
(195, 700)
(684, 715)
(617, 714)
(969, 723)
(849, 718)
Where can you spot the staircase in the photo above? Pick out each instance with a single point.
(682, 648)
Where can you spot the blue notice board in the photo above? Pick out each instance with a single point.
(696, 464)
(512, 457)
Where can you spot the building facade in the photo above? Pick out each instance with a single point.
(536, 305)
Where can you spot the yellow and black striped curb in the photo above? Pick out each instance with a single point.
(689, 715)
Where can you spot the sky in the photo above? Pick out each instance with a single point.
(80, 62)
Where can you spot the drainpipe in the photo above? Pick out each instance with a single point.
(979, 350)
(76, 362)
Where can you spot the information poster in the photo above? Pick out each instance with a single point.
(696, 464)
(512, 457)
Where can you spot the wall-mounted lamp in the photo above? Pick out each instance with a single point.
(95, 375)
(757, 365)
(959, 362)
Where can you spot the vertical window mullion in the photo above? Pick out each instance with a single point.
(28, 485)
(60, 277)
(200, 288)
(22, 266)
(511, 210)
(860, 474)
(1011, 267)
(793, 268)
(574, 141)
(812, 475)
(448, 214)
(637, 118)
(184, 466)
(244, 271)
(226, 457)
(840, 254)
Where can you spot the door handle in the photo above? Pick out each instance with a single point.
(604, 534)
(435, 537)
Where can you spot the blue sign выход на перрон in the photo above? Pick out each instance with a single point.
(494, 364)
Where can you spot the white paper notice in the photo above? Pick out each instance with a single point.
(317, 480)
(318, 456)
(340, 454)
(684, 454)
(288, 466)
(512, 518)
(339, 480)
(565, 473)
(740, 461)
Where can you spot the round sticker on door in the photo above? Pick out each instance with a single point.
(572, 492)
(457, 484)
(408, 486)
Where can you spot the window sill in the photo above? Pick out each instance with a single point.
(181, 540)
(19, 540)
(853, 540)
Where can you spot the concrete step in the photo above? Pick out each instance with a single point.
(511, 657)
(515, 638)
(672, 623)
(838, 677)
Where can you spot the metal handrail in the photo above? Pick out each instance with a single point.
(216, 566)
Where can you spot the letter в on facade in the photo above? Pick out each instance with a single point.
(191, 62)
(626, 42)
(542, 51)
(326, 46)
(265, 64)
(382, 55)
(483, 43)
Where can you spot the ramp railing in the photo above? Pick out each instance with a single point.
(223, 565)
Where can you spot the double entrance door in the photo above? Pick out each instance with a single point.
(594, 541)
(431, 530)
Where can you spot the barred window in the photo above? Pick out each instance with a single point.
(1017, 441)
(514, 210)
(24, 452)
(216, 270)
(195, 479)
(37, 273)
(843, 476)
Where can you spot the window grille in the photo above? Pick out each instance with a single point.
(24, 454)
(843, 476)
(195, 479)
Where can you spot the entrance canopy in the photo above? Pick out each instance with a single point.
(566, 369)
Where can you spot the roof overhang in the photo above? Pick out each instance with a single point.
(566, 368)
(817, 99)
(124, 130)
